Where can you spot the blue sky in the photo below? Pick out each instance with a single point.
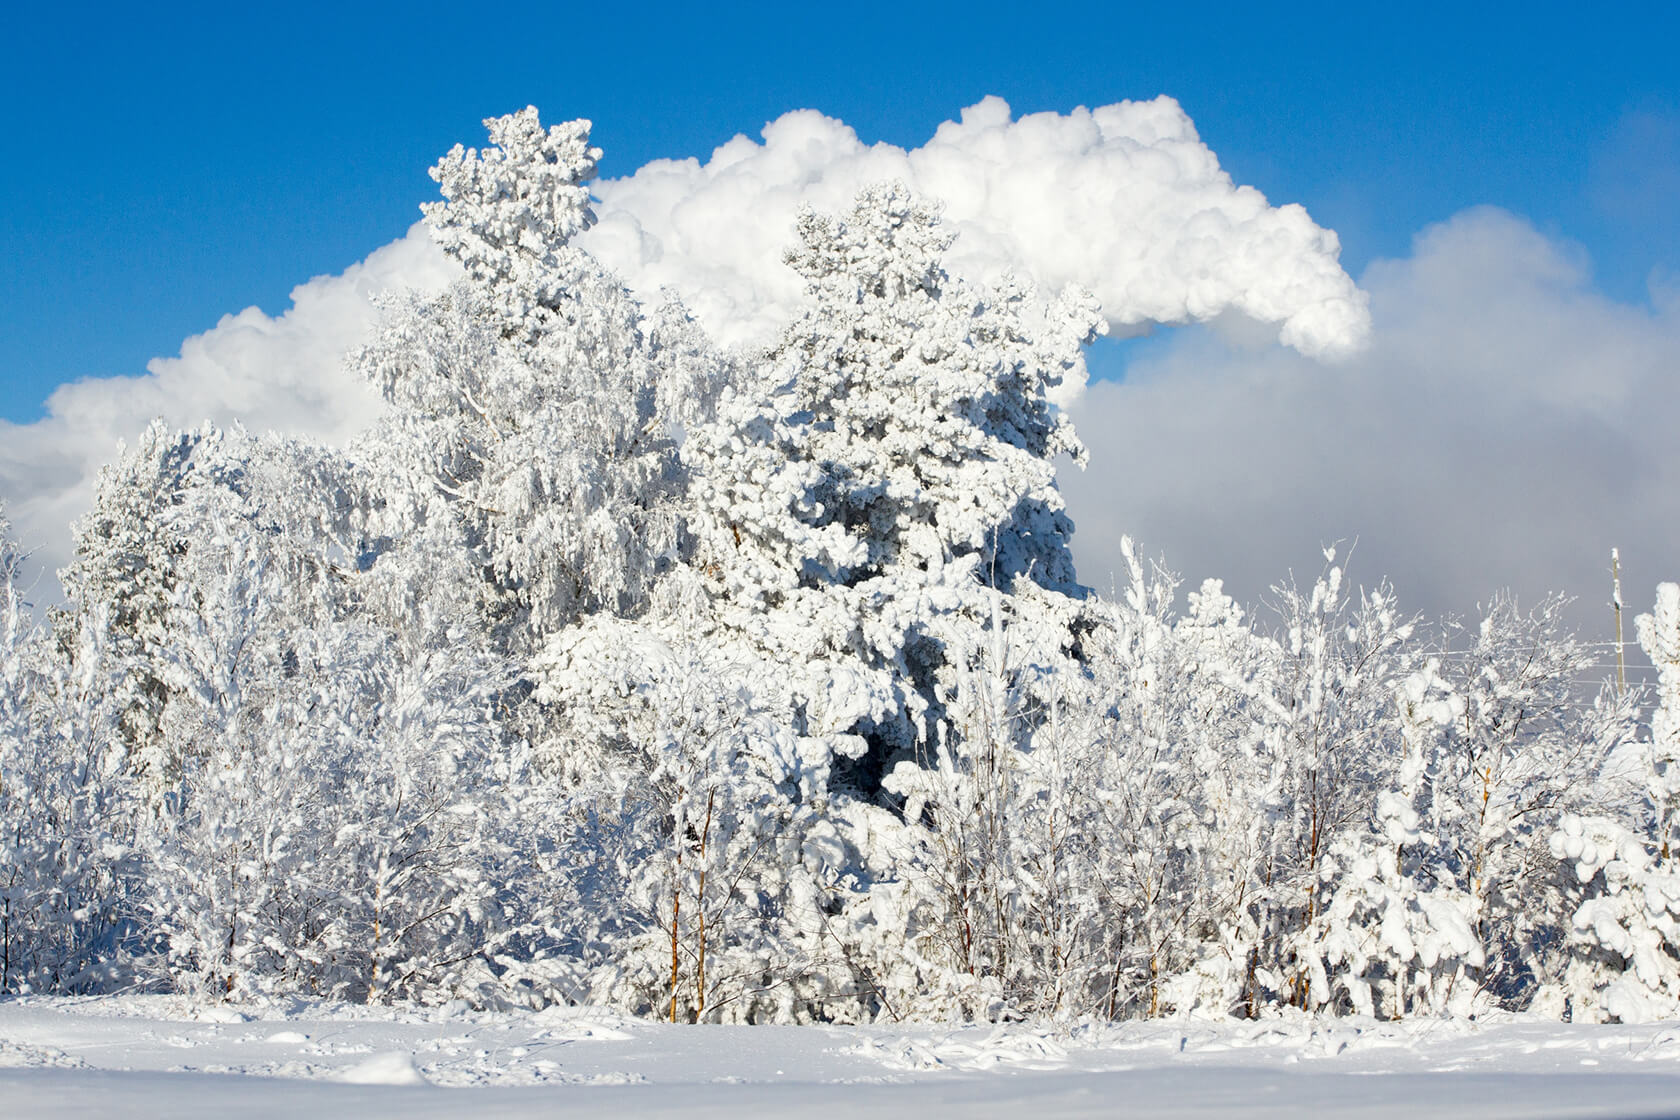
(171, 164)
(1503, 178)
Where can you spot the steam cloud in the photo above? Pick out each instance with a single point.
(1506, 427)
(1124, 200)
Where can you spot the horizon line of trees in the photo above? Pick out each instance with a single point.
(611, 667)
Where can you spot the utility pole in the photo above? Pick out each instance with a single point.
(1616, 602)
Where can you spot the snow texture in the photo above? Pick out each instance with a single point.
(158, 1056)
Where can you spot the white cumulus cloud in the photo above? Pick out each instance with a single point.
(282, 373)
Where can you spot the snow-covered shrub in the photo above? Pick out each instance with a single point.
(726, 868)
(337, 827)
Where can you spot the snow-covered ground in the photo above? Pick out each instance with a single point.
(144, 1056)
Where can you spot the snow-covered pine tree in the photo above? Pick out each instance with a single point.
(878, 506)
(122, 574)
(893, 464)
(526, 396)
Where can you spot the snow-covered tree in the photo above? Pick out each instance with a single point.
(1055, 857)
(874, 507)
(1170, 833)
(1395, 935)
(1331, 744)
(1224, 771)
(67, 871)
(962, 892)
(143, 546)
(727, 870)
(525, 398)
(894, 462)
(1523, 750)
(338, 823)
(1626, 929)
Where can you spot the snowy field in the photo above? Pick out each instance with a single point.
(150, 1056)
